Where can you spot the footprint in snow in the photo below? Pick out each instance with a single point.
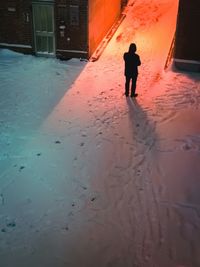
(66, 228)
(93, 199)
(84, 187)
(21, 168)
(11, 224)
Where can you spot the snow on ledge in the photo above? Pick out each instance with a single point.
(15, 45)
(184, 64)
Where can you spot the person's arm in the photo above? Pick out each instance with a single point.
(139, 61)
(125, 56)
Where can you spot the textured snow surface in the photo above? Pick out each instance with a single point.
(89, 177)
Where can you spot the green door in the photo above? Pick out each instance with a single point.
(43, 20)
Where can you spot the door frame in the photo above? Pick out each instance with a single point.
(48, 3)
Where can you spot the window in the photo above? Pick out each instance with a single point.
(74, 15)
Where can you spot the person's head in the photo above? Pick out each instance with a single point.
(132, 48)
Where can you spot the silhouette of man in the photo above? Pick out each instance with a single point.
(132, 61)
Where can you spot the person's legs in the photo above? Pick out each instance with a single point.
(127, 86)
(133, 86)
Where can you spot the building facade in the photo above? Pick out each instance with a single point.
(62, 28)
(187, 39)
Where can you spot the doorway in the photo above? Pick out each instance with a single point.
(44, 33)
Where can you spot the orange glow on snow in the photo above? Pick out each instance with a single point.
(152, 28)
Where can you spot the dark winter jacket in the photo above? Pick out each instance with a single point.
(132, 61)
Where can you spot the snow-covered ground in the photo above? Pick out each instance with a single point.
(89, 177)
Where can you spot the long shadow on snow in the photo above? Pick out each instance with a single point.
(143, 127)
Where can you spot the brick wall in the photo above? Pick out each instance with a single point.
(16, 23)
(102, 15)
(80, 25)
(72, 14)
(187, 45)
